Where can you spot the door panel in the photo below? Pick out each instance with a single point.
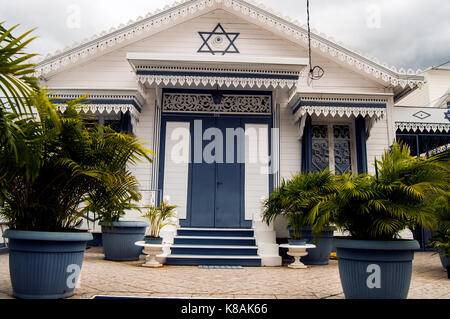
(203, 186)
(229, 181)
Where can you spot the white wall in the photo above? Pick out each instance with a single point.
(377, 143)
(143, 170)
(437, 83)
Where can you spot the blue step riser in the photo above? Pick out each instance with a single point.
(215, 233)
(214, 242)
(213, 262)
(214, 251)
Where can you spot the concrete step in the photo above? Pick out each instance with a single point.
(214, 241)
(215, 232)
(214, 250)
(208, 260)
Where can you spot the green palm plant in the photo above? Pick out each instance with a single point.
(159, 217)
(17, 88)
(295, 198)
(69, 161)
(17, 80)
(379, 207)
(111, 200)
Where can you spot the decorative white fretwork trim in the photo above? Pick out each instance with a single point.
(112, 102)
(340, 111)
(230, 104)
(221, 81)
(291, 30)
(422, 127)
(341, 107)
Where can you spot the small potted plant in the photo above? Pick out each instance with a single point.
(111, 202)
(373, 262)
(294, 199)
(158, 217)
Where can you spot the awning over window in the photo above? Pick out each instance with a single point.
(101, 102)
(250, 72)
(339, 107)
(422, 119)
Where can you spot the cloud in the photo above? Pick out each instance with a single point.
(405, 33)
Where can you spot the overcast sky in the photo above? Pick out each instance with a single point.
(405, 33)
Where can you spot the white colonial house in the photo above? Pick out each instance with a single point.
(422, 117)
(220, 90)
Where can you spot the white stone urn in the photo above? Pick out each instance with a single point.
(297, 251)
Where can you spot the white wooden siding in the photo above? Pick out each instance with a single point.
(437, 83)
(377, 143)
(339, 79)
(143, 170)
(290, 153)
(290, 145)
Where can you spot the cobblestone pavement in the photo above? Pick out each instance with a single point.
(100, 277)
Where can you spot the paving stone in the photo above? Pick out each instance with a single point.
(101, 277)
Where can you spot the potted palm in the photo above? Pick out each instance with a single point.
(294, 199)
(49, 163)
(43, 197)
(111, 201)
(373, 262)
(39, 192)
(118, 236)
(158, 217)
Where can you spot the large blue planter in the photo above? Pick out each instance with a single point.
(44, 265)
(321, 254)
(375, 269)
(444, 260)
(118, 240)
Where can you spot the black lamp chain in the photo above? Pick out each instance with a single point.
(320, 71)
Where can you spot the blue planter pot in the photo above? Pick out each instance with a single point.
(294, 242)
(45, 265)
(324, 244)
(375, 269)
(153, 241)
(444, 260)
(118, 240)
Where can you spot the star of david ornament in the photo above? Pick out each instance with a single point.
(447, 115)
(218, 41)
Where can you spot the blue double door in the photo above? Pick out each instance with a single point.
(216, 178)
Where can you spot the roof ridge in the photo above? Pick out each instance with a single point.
(320, 40)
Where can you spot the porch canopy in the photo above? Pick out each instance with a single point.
(337, 106)
(106, 104)
(422, 119)
(236, 71)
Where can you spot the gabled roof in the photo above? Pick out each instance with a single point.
(402, 81)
